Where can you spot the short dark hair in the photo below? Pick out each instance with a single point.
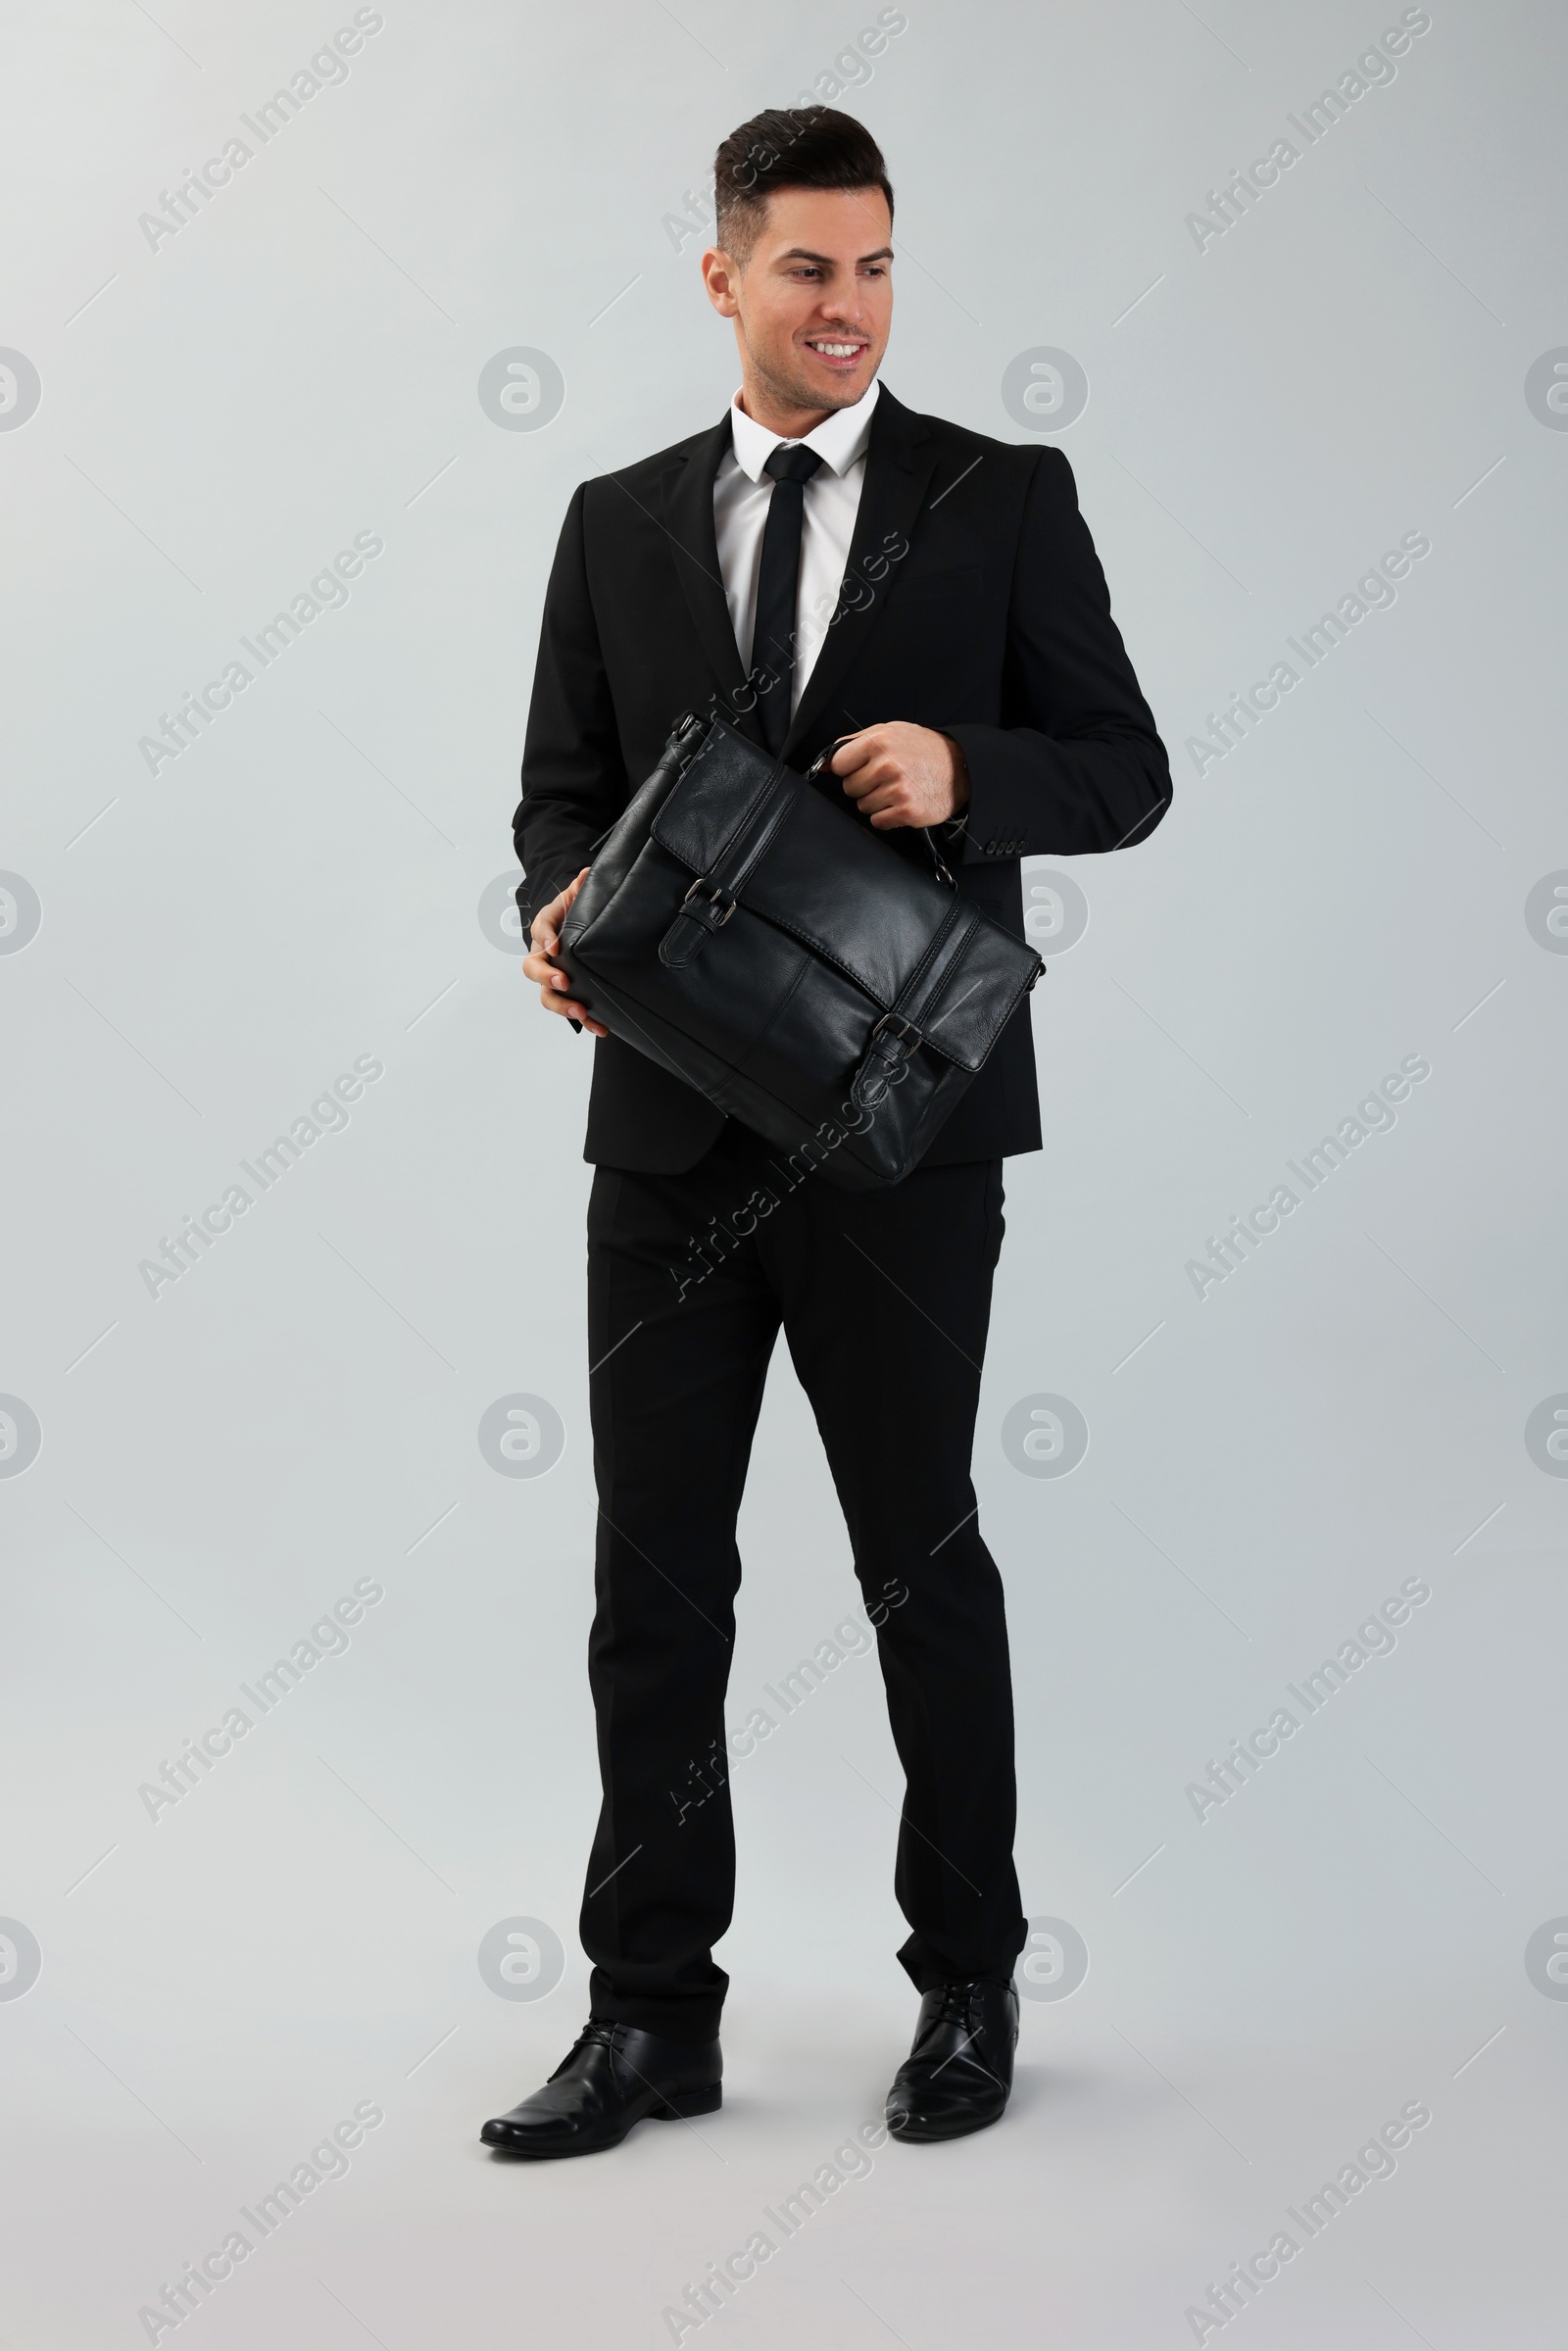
(789, 147)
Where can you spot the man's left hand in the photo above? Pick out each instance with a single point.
(903, 774)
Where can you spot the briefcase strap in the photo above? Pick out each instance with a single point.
(712, 896)
(899, 1035)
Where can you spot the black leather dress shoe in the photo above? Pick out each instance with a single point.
(959, 2074)
(613, 2076)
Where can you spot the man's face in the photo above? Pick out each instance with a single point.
(814, 302)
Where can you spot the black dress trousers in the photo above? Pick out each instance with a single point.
(884, 1299)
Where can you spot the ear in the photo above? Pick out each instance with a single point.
(721, 279)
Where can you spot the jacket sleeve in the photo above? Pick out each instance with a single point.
(1084, 768)
(574, 778)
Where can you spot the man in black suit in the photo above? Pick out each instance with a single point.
(823, 567)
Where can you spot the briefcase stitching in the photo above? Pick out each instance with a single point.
(741, 823)
(1011, 1006)
(824, 954)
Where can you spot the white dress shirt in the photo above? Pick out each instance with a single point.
(741, 495)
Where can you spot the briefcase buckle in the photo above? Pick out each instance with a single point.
(883, 1065)
(906, 1028)
(716, 897)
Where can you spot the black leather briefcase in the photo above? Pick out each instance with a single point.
(777, 954)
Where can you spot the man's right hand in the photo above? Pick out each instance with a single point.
(554, 985)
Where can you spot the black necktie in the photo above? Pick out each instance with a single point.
(777, 585)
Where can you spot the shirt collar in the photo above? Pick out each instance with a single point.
(840, 441)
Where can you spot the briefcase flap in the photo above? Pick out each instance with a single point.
(842, 891)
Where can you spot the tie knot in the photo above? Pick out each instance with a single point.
(792, 463)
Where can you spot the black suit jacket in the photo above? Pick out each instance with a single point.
(973, 602)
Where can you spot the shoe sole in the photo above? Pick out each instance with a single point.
(689, 2102)
(926, 2137)
(674, 2109)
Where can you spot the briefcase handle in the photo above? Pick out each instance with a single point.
(943, 870)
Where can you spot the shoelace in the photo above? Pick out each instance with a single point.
(956, 2008)
(599, 2032)
(955, 2002)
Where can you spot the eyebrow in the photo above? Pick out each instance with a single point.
(801, 252)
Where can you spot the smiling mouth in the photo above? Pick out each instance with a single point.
(835, 350)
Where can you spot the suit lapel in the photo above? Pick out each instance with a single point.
(899, 465)
(899, 462)
(689, 520)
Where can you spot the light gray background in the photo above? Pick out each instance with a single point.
(301, 886)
